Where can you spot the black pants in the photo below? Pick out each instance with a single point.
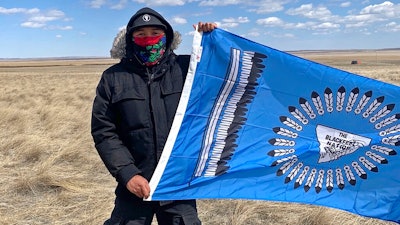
(182, 212)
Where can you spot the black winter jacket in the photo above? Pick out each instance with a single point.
(133, 112)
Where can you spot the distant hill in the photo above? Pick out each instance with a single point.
(344, 50)
(55, 58)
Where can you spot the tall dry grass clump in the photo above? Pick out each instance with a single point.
(50, 172)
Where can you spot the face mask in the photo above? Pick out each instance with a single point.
(150, 49)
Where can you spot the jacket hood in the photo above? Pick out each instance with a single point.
(128, 33)
(118, 49)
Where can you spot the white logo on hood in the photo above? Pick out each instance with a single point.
(146, 17)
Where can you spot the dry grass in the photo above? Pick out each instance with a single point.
(50, 172)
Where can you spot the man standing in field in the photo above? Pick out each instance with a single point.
(133, 111)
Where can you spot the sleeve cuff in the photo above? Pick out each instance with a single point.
(126, 173)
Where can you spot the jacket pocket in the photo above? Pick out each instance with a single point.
(171, 97)
(132, 108)
(120, 95)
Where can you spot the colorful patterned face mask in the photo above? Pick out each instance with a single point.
(150, 49)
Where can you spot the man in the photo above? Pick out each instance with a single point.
(133, 111)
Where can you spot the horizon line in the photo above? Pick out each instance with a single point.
(109, 57)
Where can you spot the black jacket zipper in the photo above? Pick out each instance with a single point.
(149, 83)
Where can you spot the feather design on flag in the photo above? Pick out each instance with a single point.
(330, 152)
(377, 158)
(339, 179)
(283, 169)
(388, 121)
(374, 105)
(382, 113)
(280, 161)
(285, 132)
(281, 152)
(329, 180)
(317, 102)
(349, 175)
(320, 180)
(290, 123)
(298, 114)
(363, 101)
(301, 178)
(293, 173)
(341, 95)
(215, 115)
(281, 142)
(392, 140)
(238, 91)
(352, 99)
(359, 170)
(390, 130)
(368, 164)
(383, 150)
(310, 180)
(307, 108)
(329, 99)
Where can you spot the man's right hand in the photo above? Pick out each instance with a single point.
(139, 186)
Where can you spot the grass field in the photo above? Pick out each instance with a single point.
(50, 172)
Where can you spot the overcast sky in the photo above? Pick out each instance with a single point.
(59, 28)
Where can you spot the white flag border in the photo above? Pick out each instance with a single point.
(180, 112)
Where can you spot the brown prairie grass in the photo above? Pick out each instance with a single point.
(50, 172)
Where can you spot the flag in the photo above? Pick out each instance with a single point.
(257, 123)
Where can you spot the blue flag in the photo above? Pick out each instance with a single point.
(257, 123)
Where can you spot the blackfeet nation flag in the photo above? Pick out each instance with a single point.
(257, 123)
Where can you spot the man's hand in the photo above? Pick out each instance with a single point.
(139, 186)
(206, 27)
